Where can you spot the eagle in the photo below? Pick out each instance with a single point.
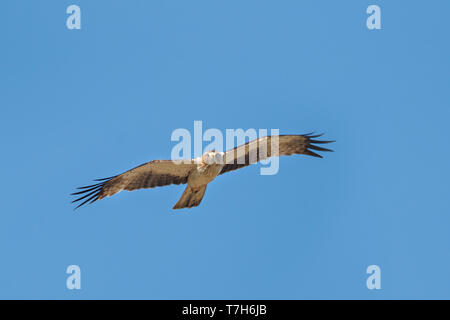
(200, 171)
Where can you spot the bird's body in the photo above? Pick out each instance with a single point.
(198, 172)
(209, 166)
(207, 169)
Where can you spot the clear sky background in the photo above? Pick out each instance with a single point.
(83, 104)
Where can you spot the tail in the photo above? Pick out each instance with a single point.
(191, 197)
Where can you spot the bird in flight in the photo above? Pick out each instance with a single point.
(198, 172)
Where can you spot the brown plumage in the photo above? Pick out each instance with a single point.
(198, 172)
(250, 152)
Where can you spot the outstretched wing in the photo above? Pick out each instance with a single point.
(152, 174)
(265, 147)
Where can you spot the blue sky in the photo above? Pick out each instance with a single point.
(84, 104)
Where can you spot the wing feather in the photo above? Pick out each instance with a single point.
(261, 149)
(152, 174)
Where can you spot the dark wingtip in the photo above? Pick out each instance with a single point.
(92, 185)
(312, 145)
(89, 199)
(312, 135)
(86, 190)
(103, 179)
(91, 192)
(321, 141)
(313, 154)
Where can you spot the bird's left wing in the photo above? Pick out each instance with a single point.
(148, 175)
(271, 146)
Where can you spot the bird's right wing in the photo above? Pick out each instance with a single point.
(148, 175)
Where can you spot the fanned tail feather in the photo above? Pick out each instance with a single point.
(191, 197)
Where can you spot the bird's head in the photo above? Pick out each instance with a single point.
(213, 157)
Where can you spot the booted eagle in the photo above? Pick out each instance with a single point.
(198, 172)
